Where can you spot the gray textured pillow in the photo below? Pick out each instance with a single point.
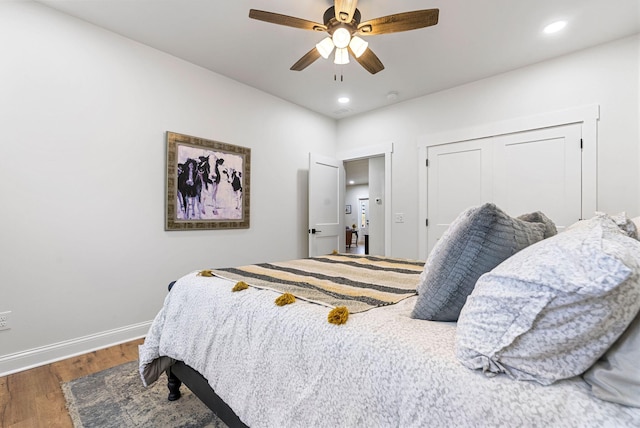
(539, 217)
(478, 240)
(552, 310)
(616, 376)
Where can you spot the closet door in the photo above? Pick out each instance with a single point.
(537, 170)
(540, 170)
(457, 179)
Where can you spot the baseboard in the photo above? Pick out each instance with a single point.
(13, 363)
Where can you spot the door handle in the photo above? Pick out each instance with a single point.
(314, 231)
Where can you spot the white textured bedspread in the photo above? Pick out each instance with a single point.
(288, 367)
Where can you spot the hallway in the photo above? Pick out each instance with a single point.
(356, 248)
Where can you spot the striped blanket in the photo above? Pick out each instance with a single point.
(355, 281)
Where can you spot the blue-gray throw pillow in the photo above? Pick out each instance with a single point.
(478, 240)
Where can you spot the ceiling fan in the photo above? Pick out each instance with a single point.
(342, 22)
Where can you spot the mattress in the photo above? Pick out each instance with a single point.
(287, 366)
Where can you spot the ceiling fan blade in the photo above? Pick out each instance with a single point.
(369, 61)
(289, 21)
(399, 22)
(306, 60)
(345, 9)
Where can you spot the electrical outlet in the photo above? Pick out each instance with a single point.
(5, 317)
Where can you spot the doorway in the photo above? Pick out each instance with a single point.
(378, 155)
(365, 205)
(380, 190)
(356, 191)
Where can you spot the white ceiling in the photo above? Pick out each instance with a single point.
(357, 171)
(474, 39)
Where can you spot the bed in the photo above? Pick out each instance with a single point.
(398, 354)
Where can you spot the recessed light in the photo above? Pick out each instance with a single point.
(343, 100)
(554, 27)
(352, 182)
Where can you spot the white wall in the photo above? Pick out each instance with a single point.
(351, 197)
(83, 115)
(606, 75)
(377, 202)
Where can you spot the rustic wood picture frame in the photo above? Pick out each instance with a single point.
(207, 185)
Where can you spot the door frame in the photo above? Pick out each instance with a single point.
(386, 150)
(588, 116)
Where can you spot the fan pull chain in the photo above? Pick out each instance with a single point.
(335, 75)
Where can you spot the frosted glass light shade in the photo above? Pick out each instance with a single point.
(358, 46)
(325, 47)
(341, 38)
(342, 56)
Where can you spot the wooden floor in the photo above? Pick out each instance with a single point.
(34, 398)
(356, 248)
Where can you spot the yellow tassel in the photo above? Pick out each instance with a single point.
(339, 315)
(285, 299)
(206, 272)
(240, 285)
(334, 252)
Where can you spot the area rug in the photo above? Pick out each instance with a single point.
(117, 398)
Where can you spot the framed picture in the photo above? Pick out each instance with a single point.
(208, 184)
(348, 209)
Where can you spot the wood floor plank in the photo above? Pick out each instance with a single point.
(34, 398)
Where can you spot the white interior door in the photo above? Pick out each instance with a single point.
(521, 172)
(326, 205)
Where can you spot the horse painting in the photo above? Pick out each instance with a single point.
(191, 176)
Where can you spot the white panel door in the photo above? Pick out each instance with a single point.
(456, 180)
(521, 172)
(540, 170)
(326, 205)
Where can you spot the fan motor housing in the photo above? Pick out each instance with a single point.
(329, 19)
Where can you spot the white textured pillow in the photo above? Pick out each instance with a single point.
(624, 223)
(550, 311)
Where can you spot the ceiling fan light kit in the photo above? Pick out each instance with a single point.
(342, 56)
(325, 47)
(358, 46)
(341, 37)
(342, 23)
